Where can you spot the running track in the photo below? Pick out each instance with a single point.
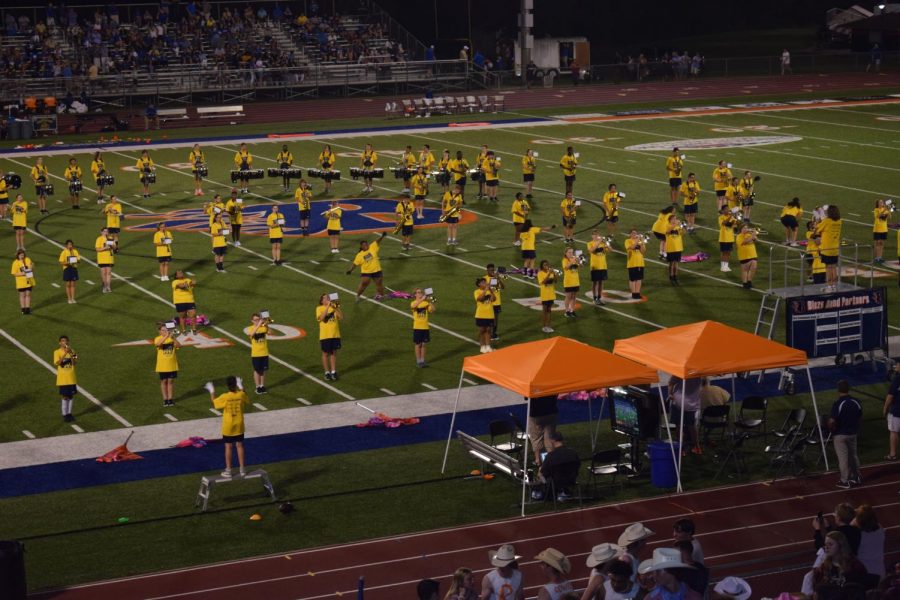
(745, 530)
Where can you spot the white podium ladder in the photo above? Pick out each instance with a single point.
(207, 483)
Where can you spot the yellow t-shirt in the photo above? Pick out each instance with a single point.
(284, 158)
(196, 158)
(598, 251)
(334, 219)
(420, 184)
(144, 165)
(528, 165)
(368, 260)
(690, 190)
(420, 314)
(426, 159)
(404, 211)
(235, 211)
(65, 368)
(408, 160)
(674, 166)
(830, 232)
(568, 164)
(570, 273)
(214, 208)
(484, 308)
(569, 210)
(520, 210)
(113, 212)
(611, 204)
(182, 291)
(733, 195)
(20, 213)
(635, 252)
(479, 160)
(458, 168)
(72, 173)
(674, 239)
(791, 211)
(162, 249)
(259, 343)
(303, 198)
(661, 223)
(491, 169)
(746, 186)
(812, 249)
(97, 168)
(326, 160)
(19, 270)
(40, 174)
(498, 293)
(726, 229)
(104, 252)
(166, 361)
(881, 220)
(4, 190)
(722, 177)
(368, 160)
(66, 254)
(232, 406)
(217, 230)
(329, 325)
(529, 237)
(746, 247)
(275, 223)
(547, 281)
(243, 160)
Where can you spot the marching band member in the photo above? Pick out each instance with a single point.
(65, 359)
(813, 256)
(213, 208)
(444, 168)
(451, 209)
(674, 167)
(479, 165)
(333, 226)
(285, 160)
(880, 230)
(219, 230)
(162, 239)
(145, 167)
(231, 404)
(791, 214)
(421, 306)
(659, 228)
(420, 190)
(23, 271)
(498, 288)
(326, 163)
(259, 350)
(20, 220)
(368, 160)
(484, 313)
(490, 168)
(68, 260)
(275, 222)
(721, 177)
(72, 175)
(569, 163)
(747, 194)
(166, 363)
(329, 315)
(598, 248)
(611, 201)
(98, 169)
(746, 247)
(733, 193)
(235, 209)
(571, 281)
(404, 211)
(569, 211)
(408, 162)
(197, 160)
(104, 245)
(40, 175)
(4, 198)
(426, 159)
(114, 215)
(303, 196)
(369, 267)
(547, 280)
(635, 247)
(529, 166)
(520, 211)
(674, 246)
(690, 190)
(727, 223)
(829, 232)
(459, 167)
(185, 304)
(529, 241)
(243, 161)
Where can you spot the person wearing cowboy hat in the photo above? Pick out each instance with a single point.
(598, 561)
(506, 580)
(619, 584)
(731, 588)
(555, 567)
(668, 566)
(631, 541)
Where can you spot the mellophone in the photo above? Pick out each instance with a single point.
(245, 174)
(75, 186)
(357, 172)
(289, 172)
(332, 175)
(441, 177)
(105, 180)
(148, 177)
(13, 181)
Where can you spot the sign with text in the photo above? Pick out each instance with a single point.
(838, 323)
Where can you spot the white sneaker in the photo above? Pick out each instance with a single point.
(517, 243)
(237, 243)
(226, 474)
(482, 350)
(243, 473)
(727, 269)
(334, 250)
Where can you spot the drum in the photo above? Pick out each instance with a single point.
(203, 171)
(314, 173)
(75, 187)
(476, 174)
(255, 174)
(148, 178)
(105, 180)
(273, 172)
(400, 172)
(13, 181)
(48, 189)
(376, 174)
(333, 175)
(441, 177)
(293, 173)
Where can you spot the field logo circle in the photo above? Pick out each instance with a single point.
(720, 142)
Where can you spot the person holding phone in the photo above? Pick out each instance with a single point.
(329, 315)
(23, 271)
(422, 305)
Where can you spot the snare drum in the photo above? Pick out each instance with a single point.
(75, 187)
(476, 174)
(255, 174)
(148, 178)
(47, 189)
(105, 180)
(314, 173)
(376, 174)
(202, 171)
(13, 181)
(333, 175)
(400, 172)
(356, 173)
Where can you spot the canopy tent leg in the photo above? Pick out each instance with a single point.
(452, 420)
(596, 433)
(733, 396)
(524, 452)
(812, 392)
(681, 432)
(662, 406)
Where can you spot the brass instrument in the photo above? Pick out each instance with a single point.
(69, 354)
(453, 212)
(266, 317)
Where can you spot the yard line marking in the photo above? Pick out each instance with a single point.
(304, 401)
(158, 277)
(469, 381)
(189, 273)
(89, 282)
(170, 417)
(429, 386)
(78, 429)
(28, 434)
(54, 284)
(344, 259)
(252, 268)
(52, 369)
(491, 247)
(315, 262)
(215, 412)
(388, 392)
(853, 214)
(259, 406)
(461, 249)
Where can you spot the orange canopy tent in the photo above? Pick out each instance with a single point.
(711, 348)
(548, 367)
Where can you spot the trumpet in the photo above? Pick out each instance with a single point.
(644, 239)
(889, 204)
(70, 353)
(758, 231)
(556, 272)
(328, 214)
(266, 317)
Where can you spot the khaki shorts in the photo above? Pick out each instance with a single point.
(893, 424)
(539, 428)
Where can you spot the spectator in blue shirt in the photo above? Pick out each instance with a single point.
(846, 413)
(478, 60)
(892, 411)
(429, 53)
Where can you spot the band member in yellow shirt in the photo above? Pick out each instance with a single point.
(369, 267)
(185, 305)
(167, 363)
(721, 178)
(569, 210)
(65, 359)
(546, 278)
(444, 175)
(68, 260)
(104, 246)
(635, 248)
(20, 220)
(791, 214)
(285, 160)
(690, 190)
(422, 306)
(98, 170)
(490, 166)
(162, 241)
(521, 209)
(747, 193)
(727, 223)
(529, 167)
(40, 175)
(451, 209)
(746, 249)
(114, 215)
(231, 404)
(529, 246)
(813, 256)
(72, 175)
(303, 196)
(598, 248)
(235, 209)
(329, 315)
(459, 169)
(198, 163)
(479, 165)
(484, 313)
(420, 190)
(333, 225)
(368, 160)
(243, 162)
(733, 194)
(275, 222)
(23, 271)
(571, 281)
(569, 163)
(829, 232)
(259, 350)
(496, 282)
(659, 228)
(404, 211)
(674, 167)
(219, 232)
(674, 246)
(408, 162)
(326, 163)
(882, 215)
(611, 200)
(147, 172)
(426, 160)
(4, 198)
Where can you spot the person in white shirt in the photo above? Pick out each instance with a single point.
(619, 584)
(504, 582)
(786, 63)
(555, 567)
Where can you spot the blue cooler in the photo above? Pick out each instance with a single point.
(663, 471)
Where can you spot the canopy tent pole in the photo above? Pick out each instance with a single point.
(596, 433)
(812, 392)
(733, 395)
(681, 431)
(462, 372)
(525, 452)
(662, 406)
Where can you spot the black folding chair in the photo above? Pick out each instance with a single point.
(714, 418)
(752, 416)
(503, 437)
(605, 463)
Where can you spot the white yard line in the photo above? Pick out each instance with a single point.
(170, 417)
(28, 434)
(388, 392)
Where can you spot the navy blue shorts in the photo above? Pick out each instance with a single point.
(565, 222)
(421, 336)
(635, 273)
(529, 254)
(674, 182)
(569, 178)
(673, 257)
(571, 288)
(548, 303)
(829, 260)
(747, 260)
(613, 219)
(330, 345)
(879, 236)
(104, 265)
(304, 215)
(334, 232)
(690, 209)
(70, 274)
(526, 177)
(164, 259)
(114, 229)
(484, 322)
(660, 236)
(375, 275)
(406, 230)
(419, 197)
(68, 391)
(460, 182)
(789, 221)
(720, 193)
(276, 240)
(492, 182)
(181, 307)
(599, 275)
(233, 439)
(726, 246)
(19, 228)
(453, 220)
(220, 251)
(4, 201)
(168, 375)
(818, 277)
(260, 364)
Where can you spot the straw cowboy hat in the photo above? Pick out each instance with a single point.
(602, 553)
(663, 558)
(556, 559)
(634, 533)
(503, 556)
(734, 587)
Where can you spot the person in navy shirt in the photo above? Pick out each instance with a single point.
(892, 411)
(846, 413)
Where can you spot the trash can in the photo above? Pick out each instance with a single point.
(12, 570)
(14, 130)
(26, 129)
(663, 472)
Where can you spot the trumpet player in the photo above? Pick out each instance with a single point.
(674, 246)
(167, 345)
(721, 178)
(674, 167)
(185, 305)
(571, 282)
(882, 215)
(420, 190)
(146, 168)
(259, 350)
(747, 193)
(68, 260)
(529, 244)
(235, 209)
(635, 248)
(404, 211)
(479, 166)
(451, 209)
(569, 163)
(490, 168)
(326, 163)
(40, 175)
(611, 200)
(368, 160)
(65, 359)
(791, 214)
(303, 196)
(529, 166)
(422, 306)
(727, 223)
(23, 271)
(598, 248)
(484, 313)
(690, 191)
(114, 215)
(243, 162)
(546, 278)
(285, 160)
(569, 209)
(329, 315)
(198, 161)
(521, 208)
(733, 194)
(72, 175)
(219, 232)
(459, 168)
(369, 267)
(333, 225)
(497, 284)
(275, 222)
(746, 247)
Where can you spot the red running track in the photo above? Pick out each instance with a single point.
(744, 529)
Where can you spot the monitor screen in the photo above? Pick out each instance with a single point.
(624, 412)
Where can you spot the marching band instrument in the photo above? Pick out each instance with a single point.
(12, 180)
(69, 355)
(333, 175)
(357, 172)
(441, 177)
(75, 186)
(285, 172)
(453, 212)
(476, 174)
(148, 177)
(240, 175)
(105, 180)
(889, 204)
(202, 170)
(46, 189)
(402, 172)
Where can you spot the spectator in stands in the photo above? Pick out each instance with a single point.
(555, 567)
(842, 521)
(874, 59)
(542, 420)
(731, 588)
(840, 566)
(505, 581)
(632, 540)
(683, 531)
(669, 569)
(600, 561)
(891, 412)
(462, 586)
(871, 543)
(846, 413)
(560, 467)
(428, 589)
(151, 115)
(464, 53)
(697, 578)
(786, 63)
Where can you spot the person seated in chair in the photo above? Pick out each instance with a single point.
(560, 467)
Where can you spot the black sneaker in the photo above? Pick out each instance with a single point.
(334, 376)
(844, 485)
(495, 337)
(263, 390)
(328, 376)
(856, 482)
(258, 390)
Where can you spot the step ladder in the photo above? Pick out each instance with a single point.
(765, 320)
(207, 483)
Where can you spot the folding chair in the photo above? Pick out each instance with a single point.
(503, 437)
(752, 416)
(812, 439)
(605, 463)
(499, 103)
(712, 418)
(791, 426)
(563, 481)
